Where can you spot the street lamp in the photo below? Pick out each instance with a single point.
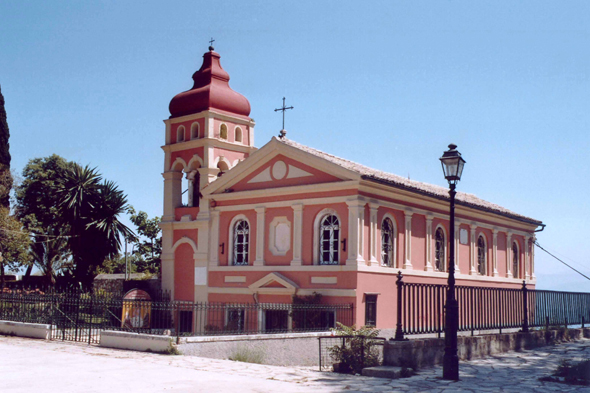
(452, 165)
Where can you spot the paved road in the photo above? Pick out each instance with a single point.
(52, 367)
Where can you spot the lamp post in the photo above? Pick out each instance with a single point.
(452, 165)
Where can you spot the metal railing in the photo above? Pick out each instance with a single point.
(78, 316)
(420, 308)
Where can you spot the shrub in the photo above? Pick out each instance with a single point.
(358, 351)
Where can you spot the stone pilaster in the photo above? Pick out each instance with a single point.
(408, 240)
(260, 232)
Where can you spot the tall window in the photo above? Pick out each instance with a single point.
(387, 236)
(238, 134)
(439, 253)
(515, 260)
(223, 131)
(370, 310)
(481, 255)
(329, 239)
(241, 242)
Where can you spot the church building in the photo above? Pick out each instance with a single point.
(249, 225)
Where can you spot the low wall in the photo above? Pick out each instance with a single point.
(136, 341)
(22, 329)
(429, 352)
(295, 349)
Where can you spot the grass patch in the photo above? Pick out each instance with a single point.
(247, 355)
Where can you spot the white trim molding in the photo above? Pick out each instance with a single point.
(495, 253)
(408, 239)
(374, 242)
(472, 249)
(356, 219)
(274, 225)
(428, 263)
(297, 233)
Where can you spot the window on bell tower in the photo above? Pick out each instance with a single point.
(238, 134)
(180, 134)
(195, 131)
(223, 131)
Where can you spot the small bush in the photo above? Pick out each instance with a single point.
(173, 350)
(358, 352)
(247, 355)
(574, 374)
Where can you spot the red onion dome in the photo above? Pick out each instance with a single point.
(210, 91)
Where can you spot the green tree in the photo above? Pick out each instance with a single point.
(90, 208)
(6, 184)
(37, 207)
(148, 251)
(14, 239)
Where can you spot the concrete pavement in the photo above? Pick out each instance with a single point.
(28, 365)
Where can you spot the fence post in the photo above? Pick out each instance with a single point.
(399, 333)
(320, 352)
(525, 321)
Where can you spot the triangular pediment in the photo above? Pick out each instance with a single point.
(274, 283)
(278, 165)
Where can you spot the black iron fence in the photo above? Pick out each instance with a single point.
(420, 308)
(76, 316)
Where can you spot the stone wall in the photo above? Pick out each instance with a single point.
(429, 352)
(301, 349)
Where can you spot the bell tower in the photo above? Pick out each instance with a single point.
(209, 131)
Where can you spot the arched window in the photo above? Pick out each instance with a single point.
(241, 242)
(238, 134)
(515, 261)
(180, 134)
(329, 239)
(387, 239)
(439, 251)
(223, 131)
(481, 255)
(195, 131)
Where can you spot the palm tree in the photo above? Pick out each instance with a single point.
(90, 208)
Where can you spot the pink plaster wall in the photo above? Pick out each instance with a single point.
(501, 254)
(185, 210)
(190, 233)
(186, 155)
(308, 195)
(464, 251)
(418, 254)
(184, 273)
(187, 129)
(230, 155)
(231, 131)
(367, 234)
(318, 176)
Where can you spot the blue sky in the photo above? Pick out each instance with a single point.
(388, 84)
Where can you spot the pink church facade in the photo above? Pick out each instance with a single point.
(262, 225)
